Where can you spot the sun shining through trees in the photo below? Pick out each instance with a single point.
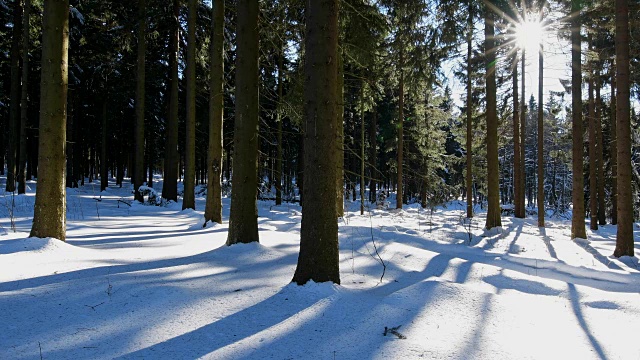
(529, 34)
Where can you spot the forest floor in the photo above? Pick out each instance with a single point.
(150, 282)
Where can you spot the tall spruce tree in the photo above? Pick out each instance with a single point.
(138, 165)
(170, 184)
(493, 181)
(243, 219)
(213, 208)
(318, 260)
(49, 216)
(624, 239)
(189, 200)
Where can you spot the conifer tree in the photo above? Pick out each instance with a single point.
(49, 217)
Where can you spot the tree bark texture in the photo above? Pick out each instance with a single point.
(49, 217)
(614, 150)
(213, 207)
(624, 240)
(170, 184)
(340, 132)
(602, 220)
(517, 160)
(243, 219)
(318, 260)
(493, 174)
(189, 200)
(577, 220)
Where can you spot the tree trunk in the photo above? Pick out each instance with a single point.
(189, 200)
(577, 220)
(541, 208)
(49, 216)
(400, 131)
(362, 147)
(279, 119)
(469, 179)
(24, 106)
(340, 132)
(170, 184)
(493, 175)
(599, 152)
(614, 150)
(593, 177)
(373, 155)
(517, 146)
(318, 260)
(243, 220)
(104, 174)
(624, 240)
(213, 207)
(523, 161)
(14, 114)
(138, 172)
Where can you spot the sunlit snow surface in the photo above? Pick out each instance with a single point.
(148, 282)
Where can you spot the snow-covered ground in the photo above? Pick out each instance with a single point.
(147, 282)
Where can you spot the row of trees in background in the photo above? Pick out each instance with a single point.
(143, 99)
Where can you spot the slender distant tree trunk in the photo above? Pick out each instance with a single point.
(340, 132)
(493, 175)
(318, 260)
(577, 220)
(624, 240)
(593, 177)
(469, 149)
(599, 153)
(362, 147)
(189, 200)
(14, 105)
(517, 152)
(138, 174)
(614, 150)
(523, 127)
(72, 149)
(541, 208)
(243, 220)
(24, 106)
(400, 132)
(49, 216)
(213, 207)
(104, 172)
(279, 119)
(373, 155)
(170, 184)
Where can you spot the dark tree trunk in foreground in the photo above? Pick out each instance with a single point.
(469, 147)
(517, 160)
(189, 200)
(577, 220)
(49, 216)
(493, 175)
(624, 240)
(243, 220)
(24, 100)
(213, 208)
(541, 209)
(138, 166)
(170, 184)
(318, 260)
(14, 105)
